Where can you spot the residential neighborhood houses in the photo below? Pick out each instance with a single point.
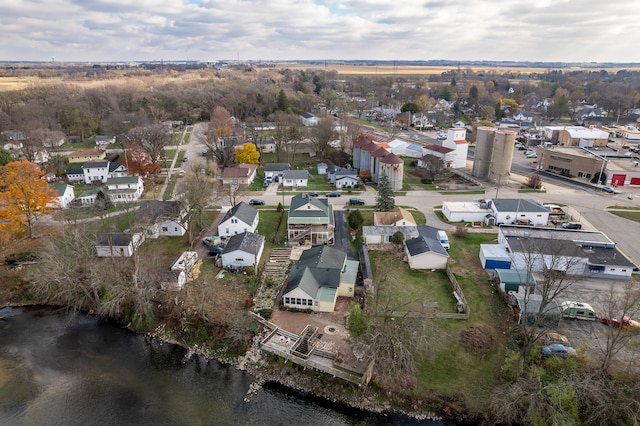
(329, 260)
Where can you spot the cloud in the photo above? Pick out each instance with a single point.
(121, 30)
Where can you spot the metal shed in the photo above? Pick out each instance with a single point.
(494, 256)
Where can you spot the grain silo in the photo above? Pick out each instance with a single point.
(504, 142)
(483, 152)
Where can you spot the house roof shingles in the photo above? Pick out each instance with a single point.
(115, 239)
(248, 242)
(151, 211)
(420, 245)
(319, 210)
(392, 216)
(295, 174)
(243, 212)
(518, 205)
(319, 266)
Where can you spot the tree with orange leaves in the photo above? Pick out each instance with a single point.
(23, 197)
(138, 162)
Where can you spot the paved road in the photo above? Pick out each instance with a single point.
(342, 234)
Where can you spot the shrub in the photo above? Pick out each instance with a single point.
(280, 207)
(426, 181)
(460, 231)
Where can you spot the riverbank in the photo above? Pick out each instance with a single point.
(266, 369)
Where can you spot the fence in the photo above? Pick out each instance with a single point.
(463, 306)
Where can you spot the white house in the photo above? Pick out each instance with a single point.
(321, 275)
(456, 140)
(75, 175)
(274, 170)
(88, 197)
(65, 195)
(425, 253)
(240, 218)
(414, 150)
(398, 146)
(124, 189)
(343, 178)
(118, 244)
(239, 174)
(396, 217)
(497, 211)
(161, 219)
(243, 250)
(447, 155)
(179, 271)
(95, 171)
(309, 119)
(295, 178)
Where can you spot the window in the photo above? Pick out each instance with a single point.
(239, 259)
(286, 300)
(298, 301)
(165, 229)
(234, 220)
(175, 228)
(612, 269)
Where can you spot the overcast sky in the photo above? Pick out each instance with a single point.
(133, 30)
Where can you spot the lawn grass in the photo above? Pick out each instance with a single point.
(449, 368)
(525, 191)
(168, 193)
(169, 155)
(85, 212)
(633, 208)
(269, 219)
(630, 215)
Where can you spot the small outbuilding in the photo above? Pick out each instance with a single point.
(425, 253)
(514, 280)
(243, 250)
(494, 256)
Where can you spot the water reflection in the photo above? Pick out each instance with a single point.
(59, 369)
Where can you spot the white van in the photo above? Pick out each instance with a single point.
(444, 240)
(577, 310)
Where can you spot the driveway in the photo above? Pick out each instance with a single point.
(342, 234)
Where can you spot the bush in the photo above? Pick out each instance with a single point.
(460, 231)
(280, 207)
(426, 181)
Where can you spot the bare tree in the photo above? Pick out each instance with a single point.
(621, 303)
(194, 192)
(321, 134)
(153, 139)
(433, 166)
(559, 262)
(287, 130)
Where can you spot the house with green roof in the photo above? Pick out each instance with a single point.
(310, 220)
(64, 195)
(321, 275)
(124, 189)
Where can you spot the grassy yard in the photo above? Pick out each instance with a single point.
(169, 154)
(168, 193)
(627, 214)
(450, 368)
(78, 213)
(268, 226)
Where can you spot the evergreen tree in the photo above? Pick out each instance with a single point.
(385, 200)
(283, 102)
(355, 219)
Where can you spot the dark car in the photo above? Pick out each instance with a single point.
(356, 202)
(572, 225)
(256, 202)
(333, 194)
(265, 184)
(213, 250)
(313, 194)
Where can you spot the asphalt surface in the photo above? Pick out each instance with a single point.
(342, 234)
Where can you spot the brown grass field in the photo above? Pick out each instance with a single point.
(8, 83)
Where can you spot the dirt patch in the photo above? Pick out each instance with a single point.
(480, 338)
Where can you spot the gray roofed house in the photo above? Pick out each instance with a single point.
(425, 253)
(310, 219)
(321, 275)
(295, 178)
(512, 210)
(161, 218)
(275, 169)
(75, 175)
(243, 250)
(383, 234)
(240, 218)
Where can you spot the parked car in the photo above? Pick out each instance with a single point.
(265, 184)
(559, 350)
(356, 202)
(529, 152)
(312, 194)
(532, 155)
(209, 241)
(551, 338)
(625, 322)
(215, 250)
(572, 225)
(333, 194)
(610, 190)
(184, 159)
(256, 202)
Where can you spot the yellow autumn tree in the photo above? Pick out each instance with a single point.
(23, 197)
(247, 154)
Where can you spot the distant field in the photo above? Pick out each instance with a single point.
(350, 69)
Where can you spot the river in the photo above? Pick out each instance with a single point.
(63, 369)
